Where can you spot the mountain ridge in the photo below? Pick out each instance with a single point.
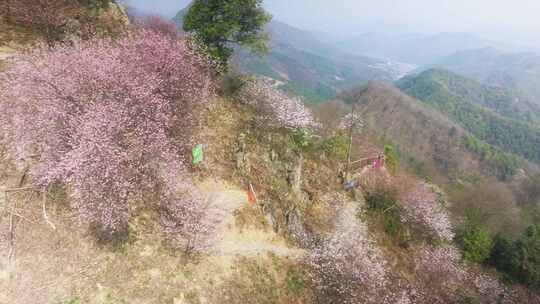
(512, 70)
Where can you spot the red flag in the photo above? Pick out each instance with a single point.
(252, 198)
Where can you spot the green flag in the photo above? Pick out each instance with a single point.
(197, 154)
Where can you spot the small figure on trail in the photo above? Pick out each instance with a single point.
(351, 185)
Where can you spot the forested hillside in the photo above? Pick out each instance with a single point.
(431, 143)
(491, 114)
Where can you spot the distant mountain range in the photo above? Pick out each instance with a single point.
(314, 69)
(414, 48)
(518, 71)
(305, 66)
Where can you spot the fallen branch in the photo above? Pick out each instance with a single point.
(12, 213)
(11, 237)
(45, 217)
(21, 189)
(11, 233)
(22, 217)
(389, 208)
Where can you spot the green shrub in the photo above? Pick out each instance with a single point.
(303, 139)
(231, 83)
(476, 244)
(528, 256)
(381, 195)
(519, 260)
(392, 223)
(503, 255)
(392, 158)
(295, 282)
(336, 147)
(381, 199)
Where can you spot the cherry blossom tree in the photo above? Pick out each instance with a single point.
(275, 106)
(54, 20)
(424, 206)
(421, 206)
(351, 120)
(102, 116)
(159, 24)
(440, 273)
(183, 216)
(347, 266)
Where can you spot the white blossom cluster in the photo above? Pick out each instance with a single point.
(441, 266)
(353, 120)
(347, 266)
(489, 287)
(423, 207)
(288, 112)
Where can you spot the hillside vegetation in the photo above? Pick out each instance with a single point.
(431, 143)
(479, 109)
(134, 170)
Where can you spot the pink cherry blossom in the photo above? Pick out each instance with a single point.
(276, 106)
(347, 266)
(104, 118)
(158, 24)
(422, 206)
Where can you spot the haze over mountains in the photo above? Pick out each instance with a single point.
(419, 49)
(518, 70)
(317, 65)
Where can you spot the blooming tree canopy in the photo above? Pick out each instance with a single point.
(55, 20)
(351, 120)
(347, 266)
(423, 207)
(100, 116)
(287, 112)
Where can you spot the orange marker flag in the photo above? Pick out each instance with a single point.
(252, 198)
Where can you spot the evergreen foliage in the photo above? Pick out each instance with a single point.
(220, 24)
(392, 158)
(504, 164)
(520, 259)
(476, 244)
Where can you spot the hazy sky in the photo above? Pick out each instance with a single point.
(359, 16)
